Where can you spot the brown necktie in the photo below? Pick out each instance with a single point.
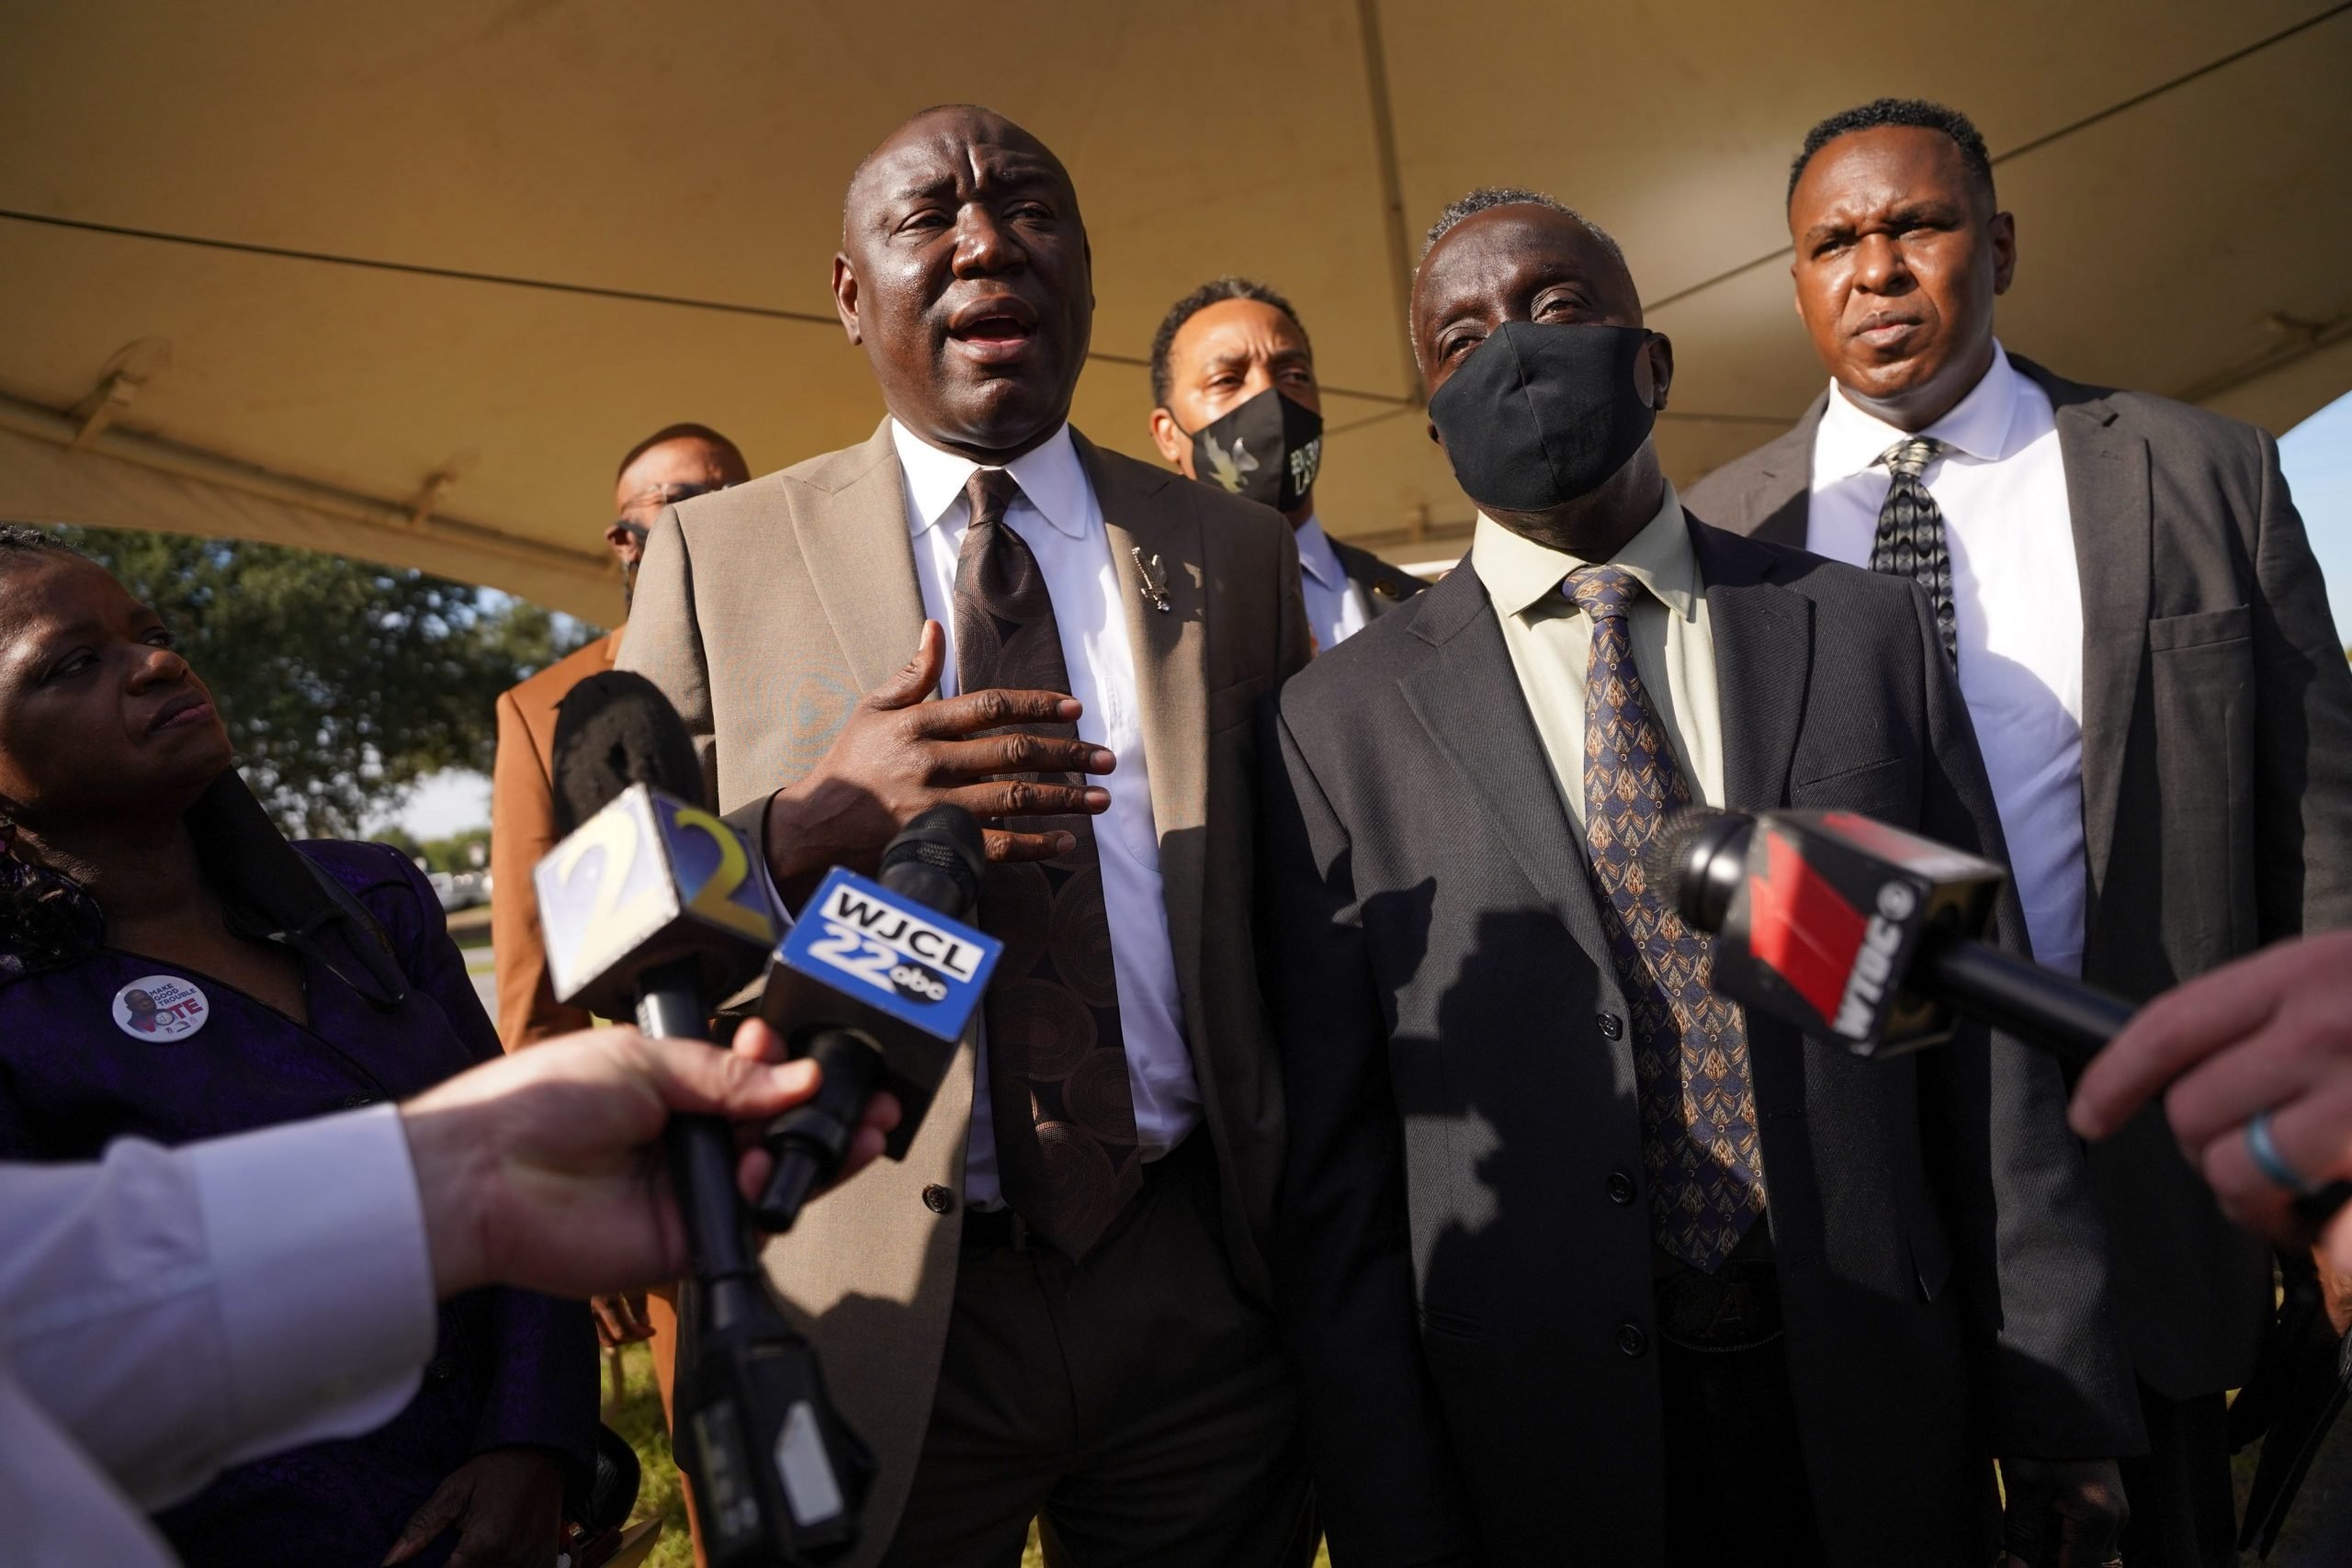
(1064, 1116)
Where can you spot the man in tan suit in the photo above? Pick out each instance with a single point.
(669, 465)
(1056, 1306)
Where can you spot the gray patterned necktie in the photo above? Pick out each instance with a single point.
(1063, 1111)
(1910, 538)
(1690, 1070)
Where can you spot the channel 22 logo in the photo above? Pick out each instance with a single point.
(891, 948)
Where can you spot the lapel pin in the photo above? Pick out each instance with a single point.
(1155, 580)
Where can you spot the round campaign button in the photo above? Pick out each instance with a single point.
(161, 1007)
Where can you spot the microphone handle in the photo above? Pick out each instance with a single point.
(2064, 1018)
(701, 1149)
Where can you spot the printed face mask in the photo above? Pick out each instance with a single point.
(1539, 415)
(1268, 449)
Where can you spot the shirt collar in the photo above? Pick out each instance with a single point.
(1315, 555)
(1519, 572)
(1852, 440)
(1051, 479)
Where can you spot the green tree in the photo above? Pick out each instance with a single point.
(342, 682)
(457, 851)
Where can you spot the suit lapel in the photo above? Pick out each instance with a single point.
(862, 563)
(1763, 638)
(1467, 696)
(1142, 515)
(1778, 508)
(2107, 501)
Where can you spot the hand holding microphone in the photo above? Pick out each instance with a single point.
(542, 1168)
(653, 903)
(2255, 1064)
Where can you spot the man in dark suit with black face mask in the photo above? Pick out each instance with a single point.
(1236, 405)
(1575, 1256)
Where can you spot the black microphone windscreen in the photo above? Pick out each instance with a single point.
(1669, 863)
(947, 839)
(616, 730)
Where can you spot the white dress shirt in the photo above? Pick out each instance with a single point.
(167, 1314)
(1060, 519)
(1335, 607)
(2002, 489)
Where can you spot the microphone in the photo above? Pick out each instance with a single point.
(877, 982)
(651, 904)
(1855, 931)
(1863, 933)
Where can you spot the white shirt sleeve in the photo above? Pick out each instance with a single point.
(175, 1312)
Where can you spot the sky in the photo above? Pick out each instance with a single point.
(2316, 455)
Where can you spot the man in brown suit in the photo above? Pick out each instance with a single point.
(1054, 1306)
(667, 466)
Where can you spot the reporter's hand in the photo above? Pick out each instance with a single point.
(544, 1168)
(507, 1505)
(2062, 1513)
(2273, 1033)
(620, 1319)
(898, 755)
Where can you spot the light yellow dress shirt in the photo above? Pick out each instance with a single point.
(1550, 641)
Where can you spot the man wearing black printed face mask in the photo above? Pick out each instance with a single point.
(1236, 405)
(1557, 1222)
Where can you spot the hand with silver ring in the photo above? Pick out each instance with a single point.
(2253, 1065)
(2263, 1149)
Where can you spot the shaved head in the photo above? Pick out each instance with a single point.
(911, 126)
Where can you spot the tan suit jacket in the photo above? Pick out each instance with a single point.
(766, 612)
(522, 828)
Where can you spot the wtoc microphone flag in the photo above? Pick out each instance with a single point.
(896, 955)
(1826, 923)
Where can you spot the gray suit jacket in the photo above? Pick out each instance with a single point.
(2216, 783)
(765, 612)
(1466, 1260)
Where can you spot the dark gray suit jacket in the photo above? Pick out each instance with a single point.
(1465, 1276)
(1385, 587)
(2217, 784)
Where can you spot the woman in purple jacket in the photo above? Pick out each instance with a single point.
(170, 967)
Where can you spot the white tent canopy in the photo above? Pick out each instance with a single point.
(403, 282)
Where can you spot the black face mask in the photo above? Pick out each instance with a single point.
(1539, 415)
(1268, 449)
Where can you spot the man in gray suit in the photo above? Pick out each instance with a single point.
(2145, 644)
(1234, 404)
(1056, 1306)
(1580, 1263)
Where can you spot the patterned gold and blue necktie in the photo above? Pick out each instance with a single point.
(1698, 1100)
(1910, 537)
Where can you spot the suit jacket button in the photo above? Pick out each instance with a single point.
(1630, 1340)
(937, 1199)
(1621, 1187)
(1611, 1026)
